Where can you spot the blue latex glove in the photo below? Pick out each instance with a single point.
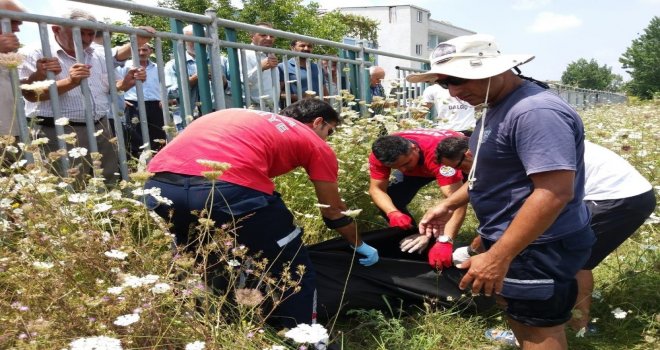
(370, 253)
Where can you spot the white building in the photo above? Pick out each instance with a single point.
(406, 30)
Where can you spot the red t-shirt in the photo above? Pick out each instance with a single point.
(427, 140)
(258, 145)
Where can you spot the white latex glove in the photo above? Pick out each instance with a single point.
(460, 255)
(414, 243)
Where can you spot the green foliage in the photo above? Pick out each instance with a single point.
(589, 75)
(286, 15)
(642, 61)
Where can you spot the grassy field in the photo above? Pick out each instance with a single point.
(94, 262)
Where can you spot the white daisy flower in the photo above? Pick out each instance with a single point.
(116, 254)
(126, 320)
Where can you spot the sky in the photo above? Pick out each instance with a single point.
(557, 32)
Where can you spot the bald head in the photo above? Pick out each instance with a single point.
(376, 74)
(12, 5)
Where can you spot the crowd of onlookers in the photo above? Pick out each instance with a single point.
(82, 82)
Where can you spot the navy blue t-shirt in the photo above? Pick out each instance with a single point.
(530, 131)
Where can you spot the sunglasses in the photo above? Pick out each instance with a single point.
(454, 81)
(331, 130)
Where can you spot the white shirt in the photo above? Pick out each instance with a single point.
(451, 113)
(608, 176)
(267, 87)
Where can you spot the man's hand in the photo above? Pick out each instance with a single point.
(269, 62)
(414, 243)
(400, 220)
(440, 255)
(485, 272)
(134, 74)
(9, 42)
(141, 40)
(192, 81)
(434, 220)
(78, 72)
(370, 253)
(43, 66)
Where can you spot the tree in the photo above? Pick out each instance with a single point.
(642, 61)
(287, 15)
(588, 75)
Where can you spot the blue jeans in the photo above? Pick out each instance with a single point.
(403, 189)
(263, 224)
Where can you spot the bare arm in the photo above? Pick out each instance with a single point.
(552, 191)
(458, 216)
(436, 218)
(378, 193)
(124, 51)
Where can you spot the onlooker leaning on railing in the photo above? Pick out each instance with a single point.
(152, 104)
(71, 98)
(299, 68)
(262, 74)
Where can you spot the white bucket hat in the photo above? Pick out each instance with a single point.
(468, 57)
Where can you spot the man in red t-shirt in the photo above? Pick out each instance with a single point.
(412, 154)
(258, 146)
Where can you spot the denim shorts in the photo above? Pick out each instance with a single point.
(540, 287)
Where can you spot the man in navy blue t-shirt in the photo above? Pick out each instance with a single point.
(526, 186)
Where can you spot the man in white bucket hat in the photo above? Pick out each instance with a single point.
(526, 187)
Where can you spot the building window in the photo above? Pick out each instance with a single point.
(433, 41)
(418, 49)
(420, 16)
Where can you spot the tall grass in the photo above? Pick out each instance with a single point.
(85, 263)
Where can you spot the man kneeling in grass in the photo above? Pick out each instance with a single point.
(257, 147)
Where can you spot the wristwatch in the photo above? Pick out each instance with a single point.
(445, 239)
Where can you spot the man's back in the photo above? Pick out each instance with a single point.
(258, 145)
(609, 176)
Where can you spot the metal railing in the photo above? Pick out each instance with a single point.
(219, 59)
(578, 98)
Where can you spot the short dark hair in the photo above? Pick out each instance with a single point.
(451, 148)
(262, 24)
(308, 109)
(387, 149)
(295, 41)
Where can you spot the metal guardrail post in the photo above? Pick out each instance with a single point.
(366, 77)
(86, 91)
(202, 62)
(18, 107)
(114, 109)
(167, 120)
(217, 73)
(354, 82)
(181, 72)
(234, 71)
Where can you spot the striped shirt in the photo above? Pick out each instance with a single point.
(71, 102)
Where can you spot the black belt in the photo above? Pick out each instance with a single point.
(48, 121)
(145, 102)
(180, 179)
